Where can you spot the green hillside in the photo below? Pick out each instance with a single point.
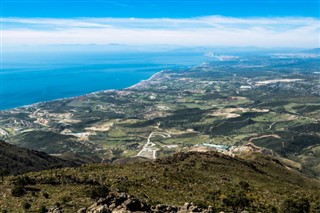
(259, 183)
(16, 160)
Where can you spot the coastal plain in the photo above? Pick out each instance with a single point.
(264, 104)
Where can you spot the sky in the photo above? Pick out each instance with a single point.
(188, 23)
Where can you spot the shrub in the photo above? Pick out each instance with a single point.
(45, 195)
(244, 185)
(43, 209)
(18, 191)
(65, 199)
(24, 180)
(26, 206)
(98, 192)
(300, 205)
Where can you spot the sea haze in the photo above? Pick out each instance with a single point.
(28, 78)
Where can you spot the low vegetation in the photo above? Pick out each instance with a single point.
(259, 183)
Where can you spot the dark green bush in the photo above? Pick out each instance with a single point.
(45, 195)
(26, 206)
(98, 192)
(300, 205)
(43, 209)
(23, 180)
(18, 191)
(65, 199)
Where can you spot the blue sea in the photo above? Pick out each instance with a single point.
(28, 78)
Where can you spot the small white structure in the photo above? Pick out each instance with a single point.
(243, 87)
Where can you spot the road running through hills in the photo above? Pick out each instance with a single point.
(149, 150)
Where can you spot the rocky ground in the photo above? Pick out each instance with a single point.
(125, 203)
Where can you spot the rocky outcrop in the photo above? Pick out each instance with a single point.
(124, 203)
(120, 203)
(55, 209)
(186, 208)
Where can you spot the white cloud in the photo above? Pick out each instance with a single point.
(210, 31)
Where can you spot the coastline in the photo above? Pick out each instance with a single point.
(134, 86)
(145, 81)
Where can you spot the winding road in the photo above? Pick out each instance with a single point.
(149, 150)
